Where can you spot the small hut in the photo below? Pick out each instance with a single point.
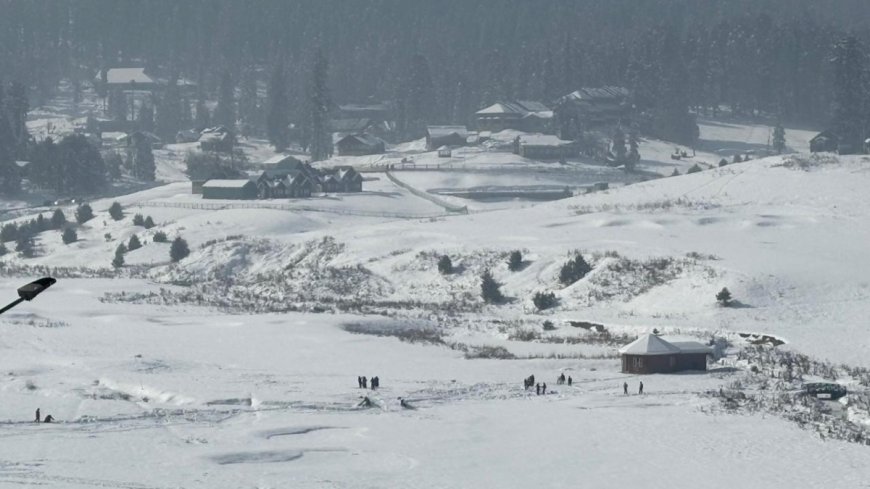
(650, 354)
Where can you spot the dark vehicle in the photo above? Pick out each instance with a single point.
(825, 390)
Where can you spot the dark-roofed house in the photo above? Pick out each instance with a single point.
(229, 189)
(825, 142)
(522, 115)
(650, 354)
(544, 147)
(437, 136)
(592, 109)
(282, 161)
(359, 145)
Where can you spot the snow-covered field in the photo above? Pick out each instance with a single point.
(236, 366)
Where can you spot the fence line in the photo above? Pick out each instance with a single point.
(215, 206)
(426, 195)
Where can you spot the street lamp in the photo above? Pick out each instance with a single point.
(29, 291)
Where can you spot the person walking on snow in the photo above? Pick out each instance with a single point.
(538, 389)
(359, 381)
(544, 389)
(365, 382)
(570, 381)
(37, 415)
(640, 389)
(625, 388)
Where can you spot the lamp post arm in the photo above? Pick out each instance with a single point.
(11, 305)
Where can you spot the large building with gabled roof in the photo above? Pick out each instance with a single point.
(651, 354)
(522, 115)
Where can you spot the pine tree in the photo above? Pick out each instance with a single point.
(134, 243)
(445, 265)
(118, 261)
(148, 223)
(169, 111)
(850, 93)
(178, 250)
(724, 296)
(489, 288)
(141, 159)
(419, 97)
(249, 103)
(41, 223)
(58, 219)
(515, 261)
(9, 232)
(693, 169)
(320, 145)
(225, 112)
(544, 300)
(278, 120)
(10, 178)
(779, 139)
(160, 237)
(24, 244)
(633, 151)
(618, 146)
(138, 220)
(16, 107)
(69, 235)
(84, 213)
(116, 211)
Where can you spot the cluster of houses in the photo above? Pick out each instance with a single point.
(283, 177)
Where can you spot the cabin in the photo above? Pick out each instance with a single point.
(445, 152)
(133, 78)
(134, 138)
(521, 115)
(229, 189)
(281, 160)
(359, 145)
(437, 136)
(299, 186)
(544, 147)
(590, 109)
(217, 138)
(650, 354)
(342, 179)
(825, 142)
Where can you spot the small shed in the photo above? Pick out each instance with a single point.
(229, 189)
(444, 152)
(437, 136)
(825, 141)
(650, 354)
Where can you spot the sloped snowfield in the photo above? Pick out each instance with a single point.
(235, 367)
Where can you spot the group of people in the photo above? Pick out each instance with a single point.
(561, 379)
(625, 388)
(48, 419)
(363, 382)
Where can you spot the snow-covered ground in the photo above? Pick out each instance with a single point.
(236, 366)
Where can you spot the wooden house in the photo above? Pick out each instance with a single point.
(650, 354)
(359, 145)
(437, 136)
(229, 189)
(522, 115)
(544, 147)
(589, 109)
(217, 139)
(825, 142)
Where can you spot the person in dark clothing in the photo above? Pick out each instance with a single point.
(640, 389)
(405, 404)
(359, 381)
(538, 389)
(366, 402)
(365, 383)
(376, 382)
(544, 388)
(37, 415)
(625, 388)
(570, 380)
(532, 380)
(48, 419)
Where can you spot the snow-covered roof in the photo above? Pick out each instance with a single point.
(280, 158)
(442, 131)
(692, 347)
(588, 94)
(542, 140)
(650, 344)
(226, 183)
(118, 76)
(523, 108)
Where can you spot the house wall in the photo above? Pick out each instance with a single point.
(657, 364)
(241, 193)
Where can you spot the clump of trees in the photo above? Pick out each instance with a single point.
(544, 300)
(69, 235)
(134, 243)
(116, 211)
(118, 260)
(573, 270)
(160, 237)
